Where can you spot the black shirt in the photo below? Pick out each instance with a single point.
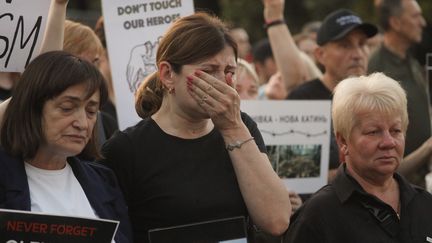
(5, 94)
(411, 77)
(170, 181)
(311, 90)
(343, 212)
(315, 90)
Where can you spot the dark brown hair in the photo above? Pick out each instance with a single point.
(46, 77)
(189, 40)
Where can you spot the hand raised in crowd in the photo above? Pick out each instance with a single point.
(273, 10)
(218, 98)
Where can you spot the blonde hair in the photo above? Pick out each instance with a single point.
(244, 66)
(373, 93)
(79, 38)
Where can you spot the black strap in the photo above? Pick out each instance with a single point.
(387, 220)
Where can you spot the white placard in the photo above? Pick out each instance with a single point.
(297, 135)
(133, 29)
(22, 26)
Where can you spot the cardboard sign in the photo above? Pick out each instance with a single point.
(297, 135)
(22, 26)
(30, 227)
(133, 29)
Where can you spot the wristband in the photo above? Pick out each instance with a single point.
(273, 23)
(238, 144)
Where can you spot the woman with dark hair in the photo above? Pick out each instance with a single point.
(194, 156)
(49, 120)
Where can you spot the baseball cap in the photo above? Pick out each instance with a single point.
(339, 23)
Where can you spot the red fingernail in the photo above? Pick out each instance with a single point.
(189, 78)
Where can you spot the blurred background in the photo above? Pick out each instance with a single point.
(248, 14)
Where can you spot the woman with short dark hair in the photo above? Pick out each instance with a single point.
(49, 121)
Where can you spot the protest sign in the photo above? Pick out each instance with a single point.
(30, 227)
(297, 135)
(22, 26)
(133, 29)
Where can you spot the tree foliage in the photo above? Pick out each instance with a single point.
(248, 13)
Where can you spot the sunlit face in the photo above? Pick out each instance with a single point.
(68, 121)
(410, 23)
(246, 87)
(218, 66)
(345, 57)
(376, 145)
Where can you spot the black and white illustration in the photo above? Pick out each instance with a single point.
(133, 30)
(142, 62)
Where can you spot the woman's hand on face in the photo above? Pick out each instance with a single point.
(218, 98)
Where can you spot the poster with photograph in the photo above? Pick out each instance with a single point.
(133, 29)
(297, 136)
(22, 27)
(23, 226)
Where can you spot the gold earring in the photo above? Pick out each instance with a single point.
(171, 91)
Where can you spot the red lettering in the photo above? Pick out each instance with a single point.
(11, 226)
(69, 230)
(43, 228)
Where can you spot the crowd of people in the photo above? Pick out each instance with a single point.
(195, 156)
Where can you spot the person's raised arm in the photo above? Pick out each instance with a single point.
(413, 161)
(54, 32)
(285, 51)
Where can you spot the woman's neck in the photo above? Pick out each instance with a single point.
(386, 188)
(47, 161)
(180, 124)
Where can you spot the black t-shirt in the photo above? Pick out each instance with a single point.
(311, 90)
(343, 212)
(315, 90)
(170, 181)
(5, 94)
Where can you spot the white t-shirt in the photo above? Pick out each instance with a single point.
(57, 192)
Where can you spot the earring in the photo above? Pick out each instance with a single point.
(171, 91)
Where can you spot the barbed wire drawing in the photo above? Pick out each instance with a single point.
(292, 131)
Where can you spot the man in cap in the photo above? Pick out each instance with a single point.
(403, 22)
(343, 51)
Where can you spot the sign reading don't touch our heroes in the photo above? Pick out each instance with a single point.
(133, 31)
